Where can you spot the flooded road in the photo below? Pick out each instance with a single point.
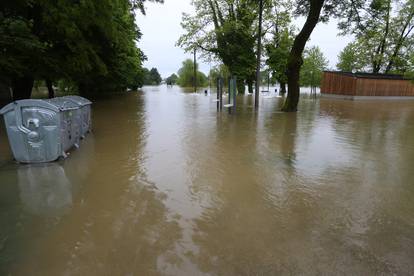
(165, 185)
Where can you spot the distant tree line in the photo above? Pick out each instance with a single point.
(172, 79)
(151, 77)
(87, 45)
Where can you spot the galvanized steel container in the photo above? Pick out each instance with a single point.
(85, 107)
(42, 130)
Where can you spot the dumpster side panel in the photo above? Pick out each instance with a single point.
(70, 129)
(16, 137)
(86, 120)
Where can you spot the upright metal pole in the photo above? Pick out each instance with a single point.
(230, 91)
(234, 94)
(268, 81)
(195, 71)
(218, 93)
(259, 54)
(209, 75)
(221, 93)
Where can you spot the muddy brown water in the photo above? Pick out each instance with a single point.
(167, 186)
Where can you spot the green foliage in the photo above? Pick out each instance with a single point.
(172, 80)
(314, 63)
(226, 30)
(90, 43)
(19, 46)
(219, 71)
(351, 59)
(151, 77)
(186, 75)
(383, 31)
(278, 54)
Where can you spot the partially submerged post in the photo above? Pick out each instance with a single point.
(232, 86)
(234, 93)
(219, 94)
(195, 71)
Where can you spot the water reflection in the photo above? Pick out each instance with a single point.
(45, 189)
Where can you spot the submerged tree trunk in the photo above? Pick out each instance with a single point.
(295, 58)
(240, 86)
(282, 88)
(259, 55)
(50, 90)
(250, 86)
(22, 87)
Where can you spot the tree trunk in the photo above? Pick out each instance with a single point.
(240, 86)
(22, 87)
(259, 55)
(282, 88)
(295, 58)
(50, 90)
(382, 46)
(250, 86)
(400, 42)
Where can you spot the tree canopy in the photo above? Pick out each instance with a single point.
(314, 63)
(226, 30)
(172, 79)
(186, 75)
(383, 31)
(152, 77)
(90, 43)
(278, 47)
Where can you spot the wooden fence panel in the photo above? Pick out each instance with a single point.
(348, 85)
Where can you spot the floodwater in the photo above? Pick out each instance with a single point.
(165, 185)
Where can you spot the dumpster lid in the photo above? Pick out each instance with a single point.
(29, 103)
(62, 104)
(6, 108)
(78, 99)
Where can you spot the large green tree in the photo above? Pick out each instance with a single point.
(226, 29)
(91, 43)
(172, 79)
(315, 11)
(314, 63)
(278, 47)
(351, 59)
(384, 36)
(152, 77)
(186, 75)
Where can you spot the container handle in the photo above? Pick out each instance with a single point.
(19, 120)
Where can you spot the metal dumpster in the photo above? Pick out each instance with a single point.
(85, 106)
(41, 130)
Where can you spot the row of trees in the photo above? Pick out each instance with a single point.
(226, 30)
(151, 77)
(91, 45)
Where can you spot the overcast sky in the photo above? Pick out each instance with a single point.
(161, 29)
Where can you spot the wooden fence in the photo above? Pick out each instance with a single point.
(365, 85)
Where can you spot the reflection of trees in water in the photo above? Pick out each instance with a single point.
(118, 224)
(245, 229)
(266, 218)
